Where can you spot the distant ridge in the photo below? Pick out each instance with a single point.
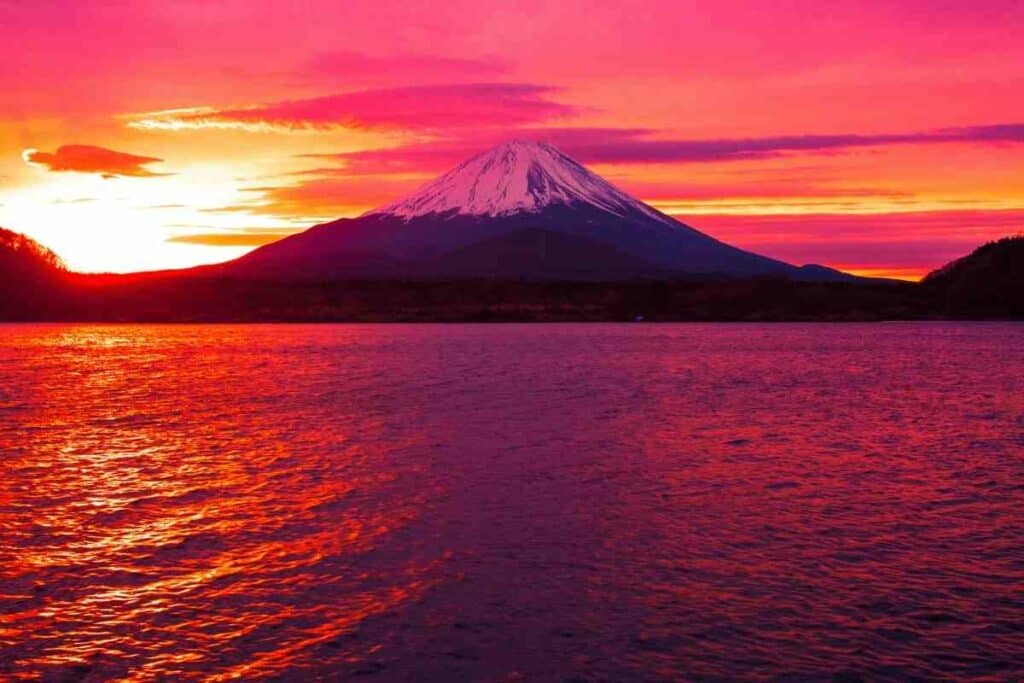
(492, 203)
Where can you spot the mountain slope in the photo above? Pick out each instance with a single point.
(518, 187)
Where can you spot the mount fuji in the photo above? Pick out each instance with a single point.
(522, 210)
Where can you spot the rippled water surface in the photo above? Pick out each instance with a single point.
(499, 503)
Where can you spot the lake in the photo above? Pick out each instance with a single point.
(512, 502)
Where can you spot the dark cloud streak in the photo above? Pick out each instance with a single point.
(634, 145)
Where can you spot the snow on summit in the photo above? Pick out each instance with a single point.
(517, 176)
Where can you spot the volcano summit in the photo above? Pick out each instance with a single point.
(522, 210)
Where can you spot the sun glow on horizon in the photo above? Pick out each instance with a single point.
(129, 224)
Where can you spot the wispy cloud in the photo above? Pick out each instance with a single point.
(79, 200)
(630, 148)
(422, 108)
(90, 159)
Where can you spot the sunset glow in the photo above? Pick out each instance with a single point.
(511, 340)
(878, 137)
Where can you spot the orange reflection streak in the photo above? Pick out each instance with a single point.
(336, 623)
(143, 543)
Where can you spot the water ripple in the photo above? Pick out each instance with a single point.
(560, 502)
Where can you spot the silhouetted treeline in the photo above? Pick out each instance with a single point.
(987, 284)
(138, 298)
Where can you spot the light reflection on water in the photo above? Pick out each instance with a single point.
(494, 502)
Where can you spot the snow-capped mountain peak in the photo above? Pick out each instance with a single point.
(514, 177)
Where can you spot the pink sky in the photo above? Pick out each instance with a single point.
(880, 137)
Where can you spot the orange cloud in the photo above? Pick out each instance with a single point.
(248, 237)
(90, 159)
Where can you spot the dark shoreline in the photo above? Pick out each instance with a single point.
(988, 284)
(176, 299)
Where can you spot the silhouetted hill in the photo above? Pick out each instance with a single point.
(987, 283)
(22, 256)
(31, 277)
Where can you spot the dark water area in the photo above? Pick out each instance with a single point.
(512, 502)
